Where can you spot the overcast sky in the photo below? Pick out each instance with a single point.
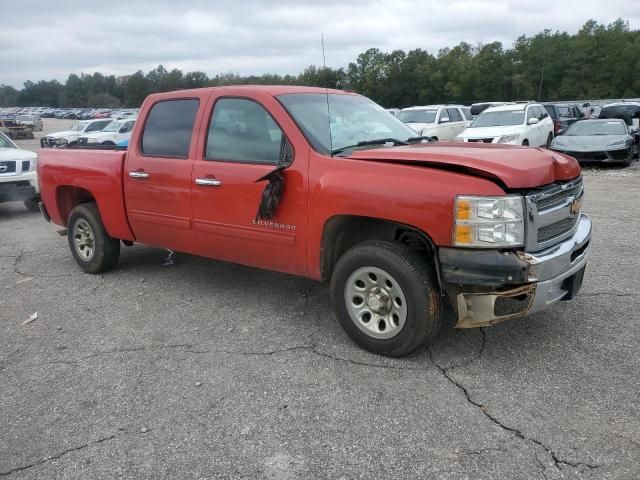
(46, 39)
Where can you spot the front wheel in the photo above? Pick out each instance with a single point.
(525, 143)
(385, 299)
(549, 140)
(91, 246)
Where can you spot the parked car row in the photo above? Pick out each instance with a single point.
(72, 113)
(564, 127)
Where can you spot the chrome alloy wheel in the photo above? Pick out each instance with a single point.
(84, 240)
(375, 302)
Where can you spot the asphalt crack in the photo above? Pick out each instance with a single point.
(515, 431)
(613, 294)
(57, 455)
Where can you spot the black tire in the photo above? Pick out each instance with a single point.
(525, 143)
(414, 278)
(106, 250)
(32, 205)
(549, 140)
(108, 142)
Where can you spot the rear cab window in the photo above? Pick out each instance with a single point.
(169, 128)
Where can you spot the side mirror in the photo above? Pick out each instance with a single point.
(532, 121)
(444, 120)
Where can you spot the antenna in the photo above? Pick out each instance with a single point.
(324, 74)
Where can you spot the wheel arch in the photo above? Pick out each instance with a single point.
(68, 197)
(342, 232)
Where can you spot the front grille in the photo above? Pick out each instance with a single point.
(82, 141)
(556, 229)
(480, 140)
(7, 167)
(553, 213)
(560, 198)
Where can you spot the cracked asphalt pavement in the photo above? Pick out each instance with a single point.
(204, 369)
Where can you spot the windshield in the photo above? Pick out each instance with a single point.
(596, 128)
(417, 116)
(5, 142)
(499, 119)
(353, 119)
(97, 126)
(112, 127)
(565, 112)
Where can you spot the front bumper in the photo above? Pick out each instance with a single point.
(15, 191)
(489, 287)
(603, 156)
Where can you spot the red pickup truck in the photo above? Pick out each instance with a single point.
(328, 185)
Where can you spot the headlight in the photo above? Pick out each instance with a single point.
(61, 141)
(487, 222)
(509, 138)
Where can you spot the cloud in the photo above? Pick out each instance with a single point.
(45, 40)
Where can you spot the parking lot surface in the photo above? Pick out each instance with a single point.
(203, 369)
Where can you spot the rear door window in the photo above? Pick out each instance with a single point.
(454, 115)
(168, 129)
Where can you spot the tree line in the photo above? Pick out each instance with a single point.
(599, 61)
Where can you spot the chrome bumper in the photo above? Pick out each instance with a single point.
(554, 274)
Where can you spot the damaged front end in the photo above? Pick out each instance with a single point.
(487, 287)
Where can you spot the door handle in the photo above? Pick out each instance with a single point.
(138, 174)
(208, 182)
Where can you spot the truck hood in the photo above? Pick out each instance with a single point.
(512, 166)
(16, 154)
(65, 134)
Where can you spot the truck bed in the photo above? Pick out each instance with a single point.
(66, 174)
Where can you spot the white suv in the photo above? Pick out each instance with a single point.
(441, 122)
(513, 124)
(18, 180)
(114, 133)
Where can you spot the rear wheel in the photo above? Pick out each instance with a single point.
(385, 299)
(525, 143)
(108, 142)
(91, 246)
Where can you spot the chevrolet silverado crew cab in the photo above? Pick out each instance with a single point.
(328, 185)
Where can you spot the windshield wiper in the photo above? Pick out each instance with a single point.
(369, 143)
(420, 139)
